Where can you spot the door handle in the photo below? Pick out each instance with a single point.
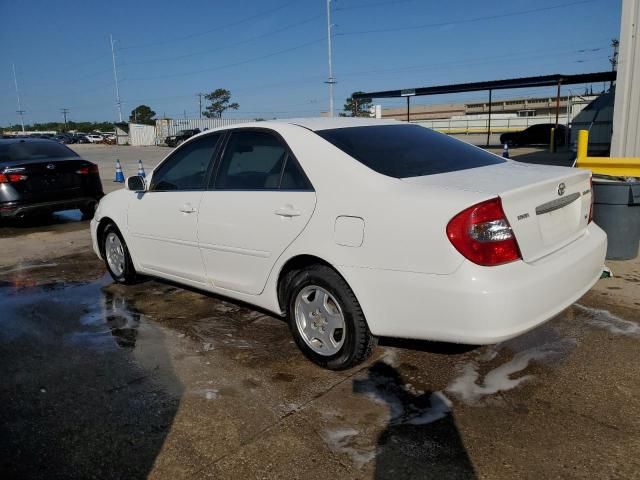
(187, 208)
(287, 211)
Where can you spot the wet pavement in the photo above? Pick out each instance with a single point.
(155, 380)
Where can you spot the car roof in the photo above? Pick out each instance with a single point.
(27, 140)
(327, 123)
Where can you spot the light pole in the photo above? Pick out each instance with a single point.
(20, 111)
(115, 76)
(330, 81)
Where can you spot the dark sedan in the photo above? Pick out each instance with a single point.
(39, 175)
(181, 136)
(539, 134)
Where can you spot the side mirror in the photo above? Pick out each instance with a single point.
(136, 184)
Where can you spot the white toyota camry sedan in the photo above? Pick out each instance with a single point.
(359, 228)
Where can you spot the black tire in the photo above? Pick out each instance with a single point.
(358, 342)
(88, 210)
(128, 275)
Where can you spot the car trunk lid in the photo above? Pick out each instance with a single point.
(51, 179)
(547, 207)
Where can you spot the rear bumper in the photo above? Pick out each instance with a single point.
(16, 209)
(478, 305)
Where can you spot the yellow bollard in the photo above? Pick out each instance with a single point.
(552, 143)
(583, 144)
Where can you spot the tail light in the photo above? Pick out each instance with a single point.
(12, 177)
(592, 198)
(90, 170)
(482, 234)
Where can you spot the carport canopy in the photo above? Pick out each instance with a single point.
(511, 83)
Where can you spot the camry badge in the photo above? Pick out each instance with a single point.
(51, 166)
(561, 189)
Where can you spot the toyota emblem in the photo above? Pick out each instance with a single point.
(561, 189)
(51, 166)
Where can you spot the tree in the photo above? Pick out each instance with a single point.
(219, 99)
(142, 114)
(364, 104)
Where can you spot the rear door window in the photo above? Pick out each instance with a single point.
(252, 161)
(403, 151)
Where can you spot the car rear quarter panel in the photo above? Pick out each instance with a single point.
(404, 224)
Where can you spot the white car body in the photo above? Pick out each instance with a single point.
(94, 138)
(385, 236)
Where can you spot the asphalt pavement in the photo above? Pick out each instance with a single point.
(159, 381)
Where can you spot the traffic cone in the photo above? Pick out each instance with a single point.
(140, 169)
(119, 175)
(505, 151)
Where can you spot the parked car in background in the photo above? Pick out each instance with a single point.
(81, 138)
(65, 139)
(94, 138)
(539, 134)
(180, 137)
(357, 228)
(38, 175)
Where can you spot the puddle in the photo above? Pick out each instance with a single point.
(608, 321)
(81, 314)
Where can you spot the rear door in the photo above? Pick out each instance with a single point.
(258, 202)
(163, 221)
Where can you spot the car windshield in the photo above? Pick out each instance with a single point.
(403, 151)
(183, 132)
(17, 151)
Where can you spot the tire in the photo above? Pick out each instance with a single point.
(332, 348)
(120, 266)
(88, 210)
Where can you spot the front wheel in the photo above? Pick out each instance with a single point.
(326, 320)
(116, 256)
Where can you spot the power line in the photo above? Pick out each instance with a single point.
(219, 49)
(372, 5)
(216, 29)
(467, 20)
(235, 64)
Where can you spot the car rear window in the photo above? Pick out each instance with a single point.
(18, 151)
(403, 151)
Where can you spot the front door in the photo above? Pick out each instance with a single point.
(258, 202)
(163, 221)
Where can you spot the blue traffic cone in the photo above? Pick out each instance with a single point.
(141, 169)
(505, 151)
(119, 175)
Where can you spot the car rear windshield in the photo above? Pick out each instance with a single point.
(18, 151)
(403, 151)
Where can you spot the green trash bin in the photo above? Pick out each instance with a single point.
(616, 210)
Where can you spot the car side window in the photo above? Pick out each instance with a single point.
(252, 161)
(293, 178)
(187, 168)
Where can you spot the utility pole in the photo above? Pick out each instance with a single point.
(115, 76)
(330, 80)
(615, 44)
(64, 114)
(199, 95)
(20, 111)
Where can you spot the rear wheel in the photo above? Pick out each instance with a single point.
(116, 256)
(326, 320)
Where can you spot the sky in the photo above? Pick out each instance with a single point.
(272, 54)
